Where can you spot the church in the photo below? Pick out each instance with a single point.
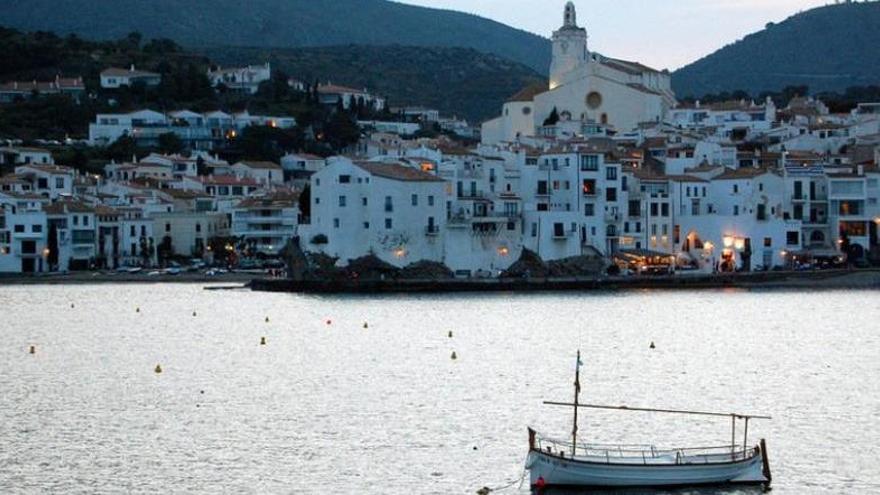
(587, 91)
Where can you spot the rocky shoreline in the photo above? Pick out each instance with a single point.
(819, 280)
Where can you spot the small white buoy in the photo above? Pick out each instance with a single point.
(158, 368)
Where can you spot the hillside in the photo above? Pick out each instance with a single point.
(456, 81)
(828, 49)
(278, 23)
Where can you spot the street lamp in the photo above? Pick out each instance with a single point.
(728, 241)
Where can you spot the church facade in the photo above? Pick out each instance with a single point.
(586, 91)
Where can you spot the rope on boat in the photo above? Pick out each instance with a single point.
(517, 482)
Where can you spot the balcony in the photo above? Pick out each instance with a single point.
(612, 217)
(432, 230)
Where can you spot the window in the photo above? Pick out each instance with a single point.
(635, 208)
(76, 220)
(762, 212)
(342, 201)
(388, 224)
(59, 183)
(19, 229)
(664, 210)
(389, 205)
(534, 229)
(611, 173)
(317, 200)
(364, 201)
(655, 209)
(798, 212)
(768, 242)
(735, 188)
(366, 225)
(344, 179)
(558, 229)
(167, 227)
(589, 187)
(431, 200)
(589, 163)
(735, 210)
(792, 238)
(132, 231)
(335, 223)
(611, 194)
(542, 187)
(85, 221)
(37, 229)
(415, 200)
(589, 210)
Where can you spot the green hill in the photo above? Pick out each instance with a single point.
(278, 23)
(828, 49)
(456, 81)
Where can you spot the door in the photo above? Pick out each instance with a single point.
(28, 265)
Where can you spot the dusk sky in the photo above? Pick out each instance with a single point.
(660, 33)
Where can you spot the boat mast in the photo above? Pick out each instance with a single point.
(577, 390)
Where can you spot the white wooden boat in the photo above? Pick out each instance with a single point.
(554, 463)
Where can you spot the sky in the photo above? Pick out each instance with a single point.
(660, 33)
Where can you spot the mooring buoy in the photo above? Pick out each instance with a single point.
(33, 349)
(267, 319)
(262, 340)
(450, 334)
(366, 325)
(137, 310)
(194, 313)
(653, 346)
(454, 355)
(158, 368)
(329, 322)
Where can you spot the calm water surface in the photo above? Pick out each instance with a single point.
(337, 408)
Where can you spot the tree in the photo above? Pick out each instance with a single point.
(305, 203)
(170, 143)
(166, 249)
(52, 245)
(553, 118)
(341, 131)
(122, 149)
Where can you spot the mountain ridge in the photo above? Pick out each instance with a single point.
(279, 24)
(827, 48)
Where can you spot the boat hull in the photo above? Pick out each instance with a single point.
(551, 470)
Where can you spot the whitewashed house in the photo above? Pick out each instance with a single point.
(114, 77)
(244, 80)
(267, 223)
(395, 212)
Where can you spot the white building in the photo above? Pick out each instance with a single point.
(585, 89)
(51, 181)
(395, 212)
(197, 131)
(267, 223)
(114, 77)
(241, 79)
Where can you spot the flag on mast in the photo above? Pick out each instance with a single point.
(577, 374)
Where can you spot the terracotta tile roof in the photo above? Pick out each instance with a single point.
(119, 72)
(742, 173)
(105, 210)
(395, 171)
(50, 169)
(685, 178)
(528, 93)
(278, 199)
(62, 207)
(334, 89)
(62, 83)
(227, 180)
(261, 165)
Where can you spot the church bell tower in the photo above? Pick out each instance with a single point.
(570, 54)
